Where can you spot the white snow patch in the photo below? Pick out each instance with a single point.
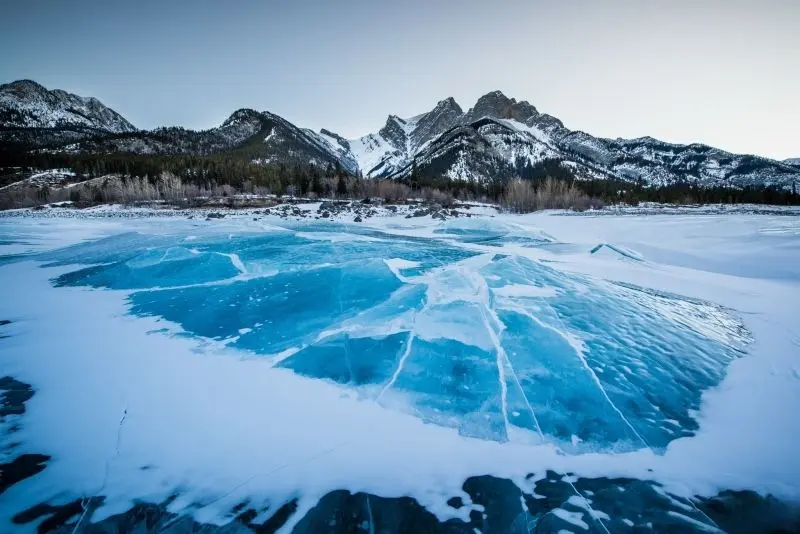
(575, 518)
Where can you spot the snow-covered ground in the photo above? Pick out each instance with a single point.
(50, 178)
(262, 358)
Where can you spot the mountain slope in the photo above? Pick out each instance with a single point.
(261, 137)
(390, 149)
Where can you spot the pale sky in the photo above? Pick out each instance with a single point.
(724, 73)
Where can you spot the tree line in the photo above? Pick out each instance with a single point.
(209, 172)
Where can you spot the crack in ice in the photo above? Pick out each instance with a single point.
(84, 501)
(598, 383)
(400, 365)
(371, 520)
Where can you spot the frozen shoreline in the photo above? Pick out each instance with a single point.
(301, 209)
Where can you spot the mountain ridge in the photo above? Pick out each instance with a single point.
(28, 104)
(496, 139)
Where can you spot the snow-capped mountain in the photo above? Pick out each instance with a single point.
(390, 149)
(792, 161)
(26, 104)
(498, 138)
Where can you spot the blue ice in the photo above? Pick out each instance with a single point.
(496, 346)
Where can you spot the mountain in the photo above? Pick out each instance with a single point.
(792, 161)
(393, 146)
(258, 136)
(498, 138)
(501, 137)
(32, 114)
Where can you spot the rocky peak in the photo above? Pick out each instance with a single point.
(498, 106)
(448, 105)
(437, 121)
(242, 115)
(394, 132)
(22, 87)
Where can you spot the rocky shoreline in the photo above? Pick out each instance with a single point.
(334, 210)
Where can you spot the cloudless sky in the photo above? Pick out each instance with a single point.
(721, 72)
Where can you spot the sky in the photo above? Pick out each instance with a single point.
(720, 72)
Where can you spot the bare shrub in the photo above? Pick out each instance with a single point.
(436, 196)
(519, 196)
(388, 190)
(522, 196)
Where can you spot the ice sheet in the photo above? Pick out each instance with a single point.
(406, 361)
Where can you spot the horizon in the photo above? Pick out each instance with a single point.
(716, 74)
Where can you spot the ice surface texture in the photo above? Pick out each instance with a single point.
(500, 347)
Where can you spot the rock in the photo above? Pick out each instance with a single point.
(421, 213)
(14, 393)
(455, 502)
(358, 219)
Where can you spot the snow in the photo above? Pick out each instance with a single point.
(369, 151)
(575, 518)
(51, 178)
(452, 349)
(460, 170)
(533, 131)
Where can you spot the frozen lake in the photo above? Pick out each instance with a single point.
(215, 366)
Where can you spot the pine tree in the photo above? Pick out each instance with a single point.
(341, 186)
(316, 183)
